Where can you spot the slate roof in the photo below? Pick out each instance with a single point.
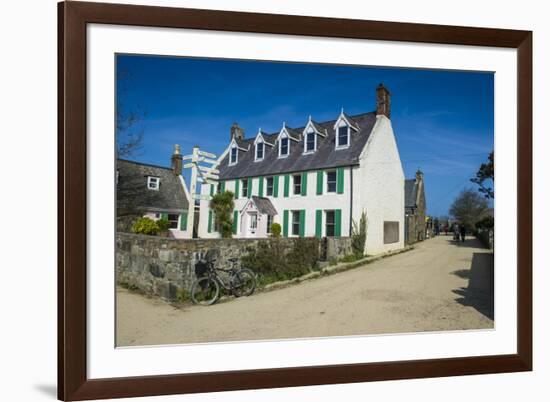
(132, 191)
(264, 205)
(411, 189)
(323, 158)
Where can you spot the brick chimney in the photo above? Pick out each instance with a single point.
(419, 176)
(383, 101)
(236, 132)
(177, 160)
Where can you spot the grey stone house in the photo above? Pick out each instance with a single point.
(156, 192)
(415, 209)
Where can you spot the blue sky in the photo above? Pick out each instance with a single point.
(443, 120)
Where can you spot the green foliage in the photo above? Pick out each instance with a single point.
(486, 223)
(468, 208)
(275, 229)
(485, 174)
(146, 226)
(359, 235)
(273, 260)
(351, 258)
(163, 225)
(182, 295)
(222, 205)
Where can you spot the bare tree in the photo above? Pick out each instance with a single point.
(469, 207)
(129, 135)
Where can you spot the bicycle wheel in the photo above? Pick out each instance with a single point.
(205, 291)
(244, 283)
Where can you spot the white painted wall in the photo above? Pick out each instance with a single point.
(379, 187)
(310, 202)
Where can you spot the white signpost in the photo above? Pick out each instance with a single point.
(199, 174)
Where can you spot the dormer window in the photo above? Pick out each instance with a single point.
(343, 130)
(260, 142)
(310, 140)
(234, 155)
(284, 147)
(342, 139)
(260, 151)
(153, 183)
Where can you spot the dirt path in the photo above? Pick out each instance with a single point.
(437, 286)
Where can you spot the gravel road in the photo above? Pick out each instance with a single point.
(438, 286)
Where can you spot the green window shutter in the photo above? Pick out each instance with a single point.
(249, 189)
(319, 223)
(164, 216)
(285, 223)
(235, 221)
(304, 183)
(338, 223)
(340, 181)
(275, 186)
(302, 222)
(320, 175)
(236, 188)
(211, 190)
(183, 221)
(260, 186)
(287, 185)
(222, 186)
(209, 221)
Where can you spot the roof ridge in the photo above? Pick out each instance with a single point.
(320, 123)
(144, 164)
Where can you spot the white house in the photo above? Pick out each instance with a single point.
(315, 180)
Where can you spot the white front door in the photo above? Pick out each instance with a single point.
(252, 224)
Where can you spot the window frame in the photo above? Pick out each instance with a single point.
(308, 133)
(348, 135)
(244, 188)
(331, 224)
(269, 221)
(327, 173)
(294, 213)
(284, 137)
(231, 161)
(171, 221)
(294, 176)
(258, 145)
(253, 219)
(267, 179)
(150, 181)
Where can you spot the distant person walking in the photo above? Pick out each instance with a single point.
(456, 232)
(462, 233)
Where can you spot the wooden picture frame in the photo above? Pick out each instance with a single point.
(73, 17)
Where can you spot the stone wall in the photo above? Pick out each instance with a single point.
(165, 266)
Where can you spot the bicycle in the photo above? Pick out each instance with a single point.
(206, 289)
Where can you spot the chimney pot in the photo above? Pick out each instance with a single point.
(236, 132)
(177, 160)
(383, 101)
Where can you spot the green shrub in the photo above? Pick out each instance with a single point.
(275, 229)
(351, 257)
(222, 205)
(486, 223)
(163, 225)
(359, 235)
(146, 226)
(273, 260)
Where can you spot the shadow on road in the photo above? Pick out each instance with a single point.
(480, 291)
(471, 242)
